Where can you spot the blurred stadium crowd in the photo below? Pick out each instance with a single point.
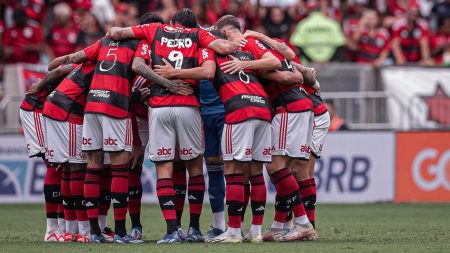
(378, 32)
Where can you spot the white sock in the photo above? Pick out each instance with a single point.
(84, 227)
(52, 225)
(234, 231)
(62, 224)
(219, 220)
(287, 225)
(102, 222)
(255, 229)
(72, 226)
(277, 225)
(302, 220)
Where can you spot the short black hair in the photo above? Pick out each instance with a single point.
(228, 20)
(185, 17)
(218, 34)
(149, 18)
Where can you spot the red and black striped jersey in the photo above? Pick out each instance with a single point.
(318, 104)
(181, 47)
(110, 90)
(243, 96)
(286, 98)
(35, 102)
(67, 101)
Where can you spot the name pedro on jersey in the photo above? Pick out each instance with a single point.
(179, 43)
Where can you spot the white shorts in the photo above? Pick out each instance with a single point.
(320, 130)
(292, 134)
(64, 142)
(34, 130)
(101, 132)
(143, 126)
(247, 141)
(172, 127)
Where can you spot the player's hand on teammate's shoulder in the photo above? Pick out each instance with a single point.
(166, 70)
(233, 66)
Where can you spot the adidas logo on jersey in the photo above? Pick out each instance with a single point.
(64, 203)
(169, 203)
(191, 197)
(89, 204)
(240, 209)
(115, 201)
(261, 208)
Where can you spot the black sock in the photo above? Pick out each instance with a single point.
(136, 220)
(119, 228)
(171, 226)
(95, 228)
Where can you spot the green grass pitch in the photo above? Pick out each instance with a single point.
(342, 228)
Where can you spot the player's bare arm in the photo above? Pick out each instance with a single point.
(205, 71)
(223, 47)
(77, 57)
(281, 48)
(284, 77)
(307, 73)
(140, 67)
(53, 77)
(268, 61)
(119, 33)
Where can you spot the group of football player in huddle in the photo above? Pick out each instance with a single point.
(180, 95)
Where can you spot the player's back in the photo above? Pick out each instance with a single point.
(242, 94)
(180, 47)
(113, 76)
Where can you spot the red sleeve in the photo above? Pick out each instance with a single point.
(143, 51)
(92, 51)
(37, 35)
(205, 38)
(256, 47)
(396, 33)
(7, 38)
(425, 32)
(297, 60)
(145, 31)
(205, 54)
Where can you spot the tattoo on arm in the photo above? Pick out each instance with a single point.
(78, 57)
(143, 70)
(282, 47)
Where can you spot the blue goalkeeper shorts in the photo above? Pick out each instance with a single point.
(213, 127)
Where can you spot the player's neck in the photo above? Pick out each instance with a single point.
(235, 36)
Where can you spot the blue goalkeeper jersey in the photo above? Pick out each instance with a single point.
(210, 102)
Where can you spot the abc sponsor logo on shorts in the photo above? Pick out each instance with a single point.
(110, 142)
(87, 141)
(305, 149)
(267, 151)
(436, 174)
(185, 151)
(164, 151)
(49, 152)
(248, 151)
